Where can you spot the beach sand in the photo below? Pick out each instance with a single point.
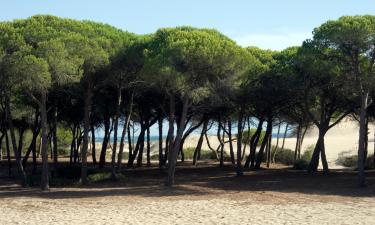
(202, 195)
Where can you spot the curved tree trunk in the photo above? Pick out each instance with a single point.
(126, 128)
(14, 143)
(172, 157)
(253, 145)
(200, 142)
(314, 162)
(115, 130)
(264, 143)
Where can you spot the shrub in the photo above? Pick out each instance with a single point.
(103, 177)
(246, 138)
(284, 156)
(347, 160)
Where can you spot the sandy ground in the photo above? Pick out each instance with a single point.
(205, 195)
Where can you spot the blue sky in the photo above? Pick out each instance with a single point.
(270, 24)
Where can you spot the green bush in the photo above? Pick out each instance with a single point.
(205, 154)
(246, 138)
(284, 156)
(103, 177)
(346, 160)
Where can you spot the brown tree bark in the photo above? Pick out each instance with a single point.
(239, 171)
(264, 142)
(86, 129)
(14, 143)
(172, 157)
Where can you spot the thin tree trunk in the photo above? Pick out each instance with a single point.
(269, 150)
(43, 121)
(93, 144)
(115, 130)
(86, 130)
(231, 151)
(253, 145)
(14, 143)
(54, 137)
(103, 152)
(174, 150)
(314, 162)
(126, 128)
(1, 146)
(200, 142)
(297, 142)
(361, 142)
(239, 171)
(8, 153)
(171, 125)
(264, 142)
(160, 125)
(148, 147)
(286, 131)
(277, 144)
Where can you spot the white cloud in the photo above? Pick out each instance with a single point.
(276, 41)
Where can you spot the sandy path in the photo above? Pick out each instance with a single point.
(119, 210)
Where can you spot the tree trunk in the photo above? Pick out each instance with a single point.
(277, 144)
(115, 130)
(264, 142)
(126, 128)
(231, 151)
(221, 144)
(142, 145)
(8, 153)
(43, 121)
(103, 152)
(130, 155)
(172, 157)
(171, 125)
(148, 147)
(14, 143)
(138, 146)
(1, 146)
(86, 129)
(314, 162)
(200, 142)
(239, 171)
(297, 142)
(160, 125)
(21, 133)
(54, 137)
(286, 131)
(301, 142)
(253, 145)
(361, 142)
(93, 144)
(269, 150)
